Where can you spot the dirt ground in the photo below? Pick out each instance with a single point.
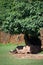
(29, 56)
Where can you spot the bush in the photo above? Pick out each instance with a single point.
(23, 16)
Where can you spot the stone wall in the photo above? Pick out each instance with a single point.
(0, 36)
(7, 38)
(18, 38)
(41, 37)
(4, 37)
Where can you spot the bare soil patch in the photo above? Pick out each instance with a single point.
(23, 55)
(29, 56)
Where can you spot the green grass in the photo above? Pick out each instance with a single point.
(8, 59)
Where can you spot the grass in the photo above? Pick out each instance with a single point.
(9, 59)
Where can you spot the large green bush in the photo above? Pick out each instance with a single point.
(22, 16)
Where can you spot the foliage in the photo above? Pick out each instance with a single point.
(21, 16)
